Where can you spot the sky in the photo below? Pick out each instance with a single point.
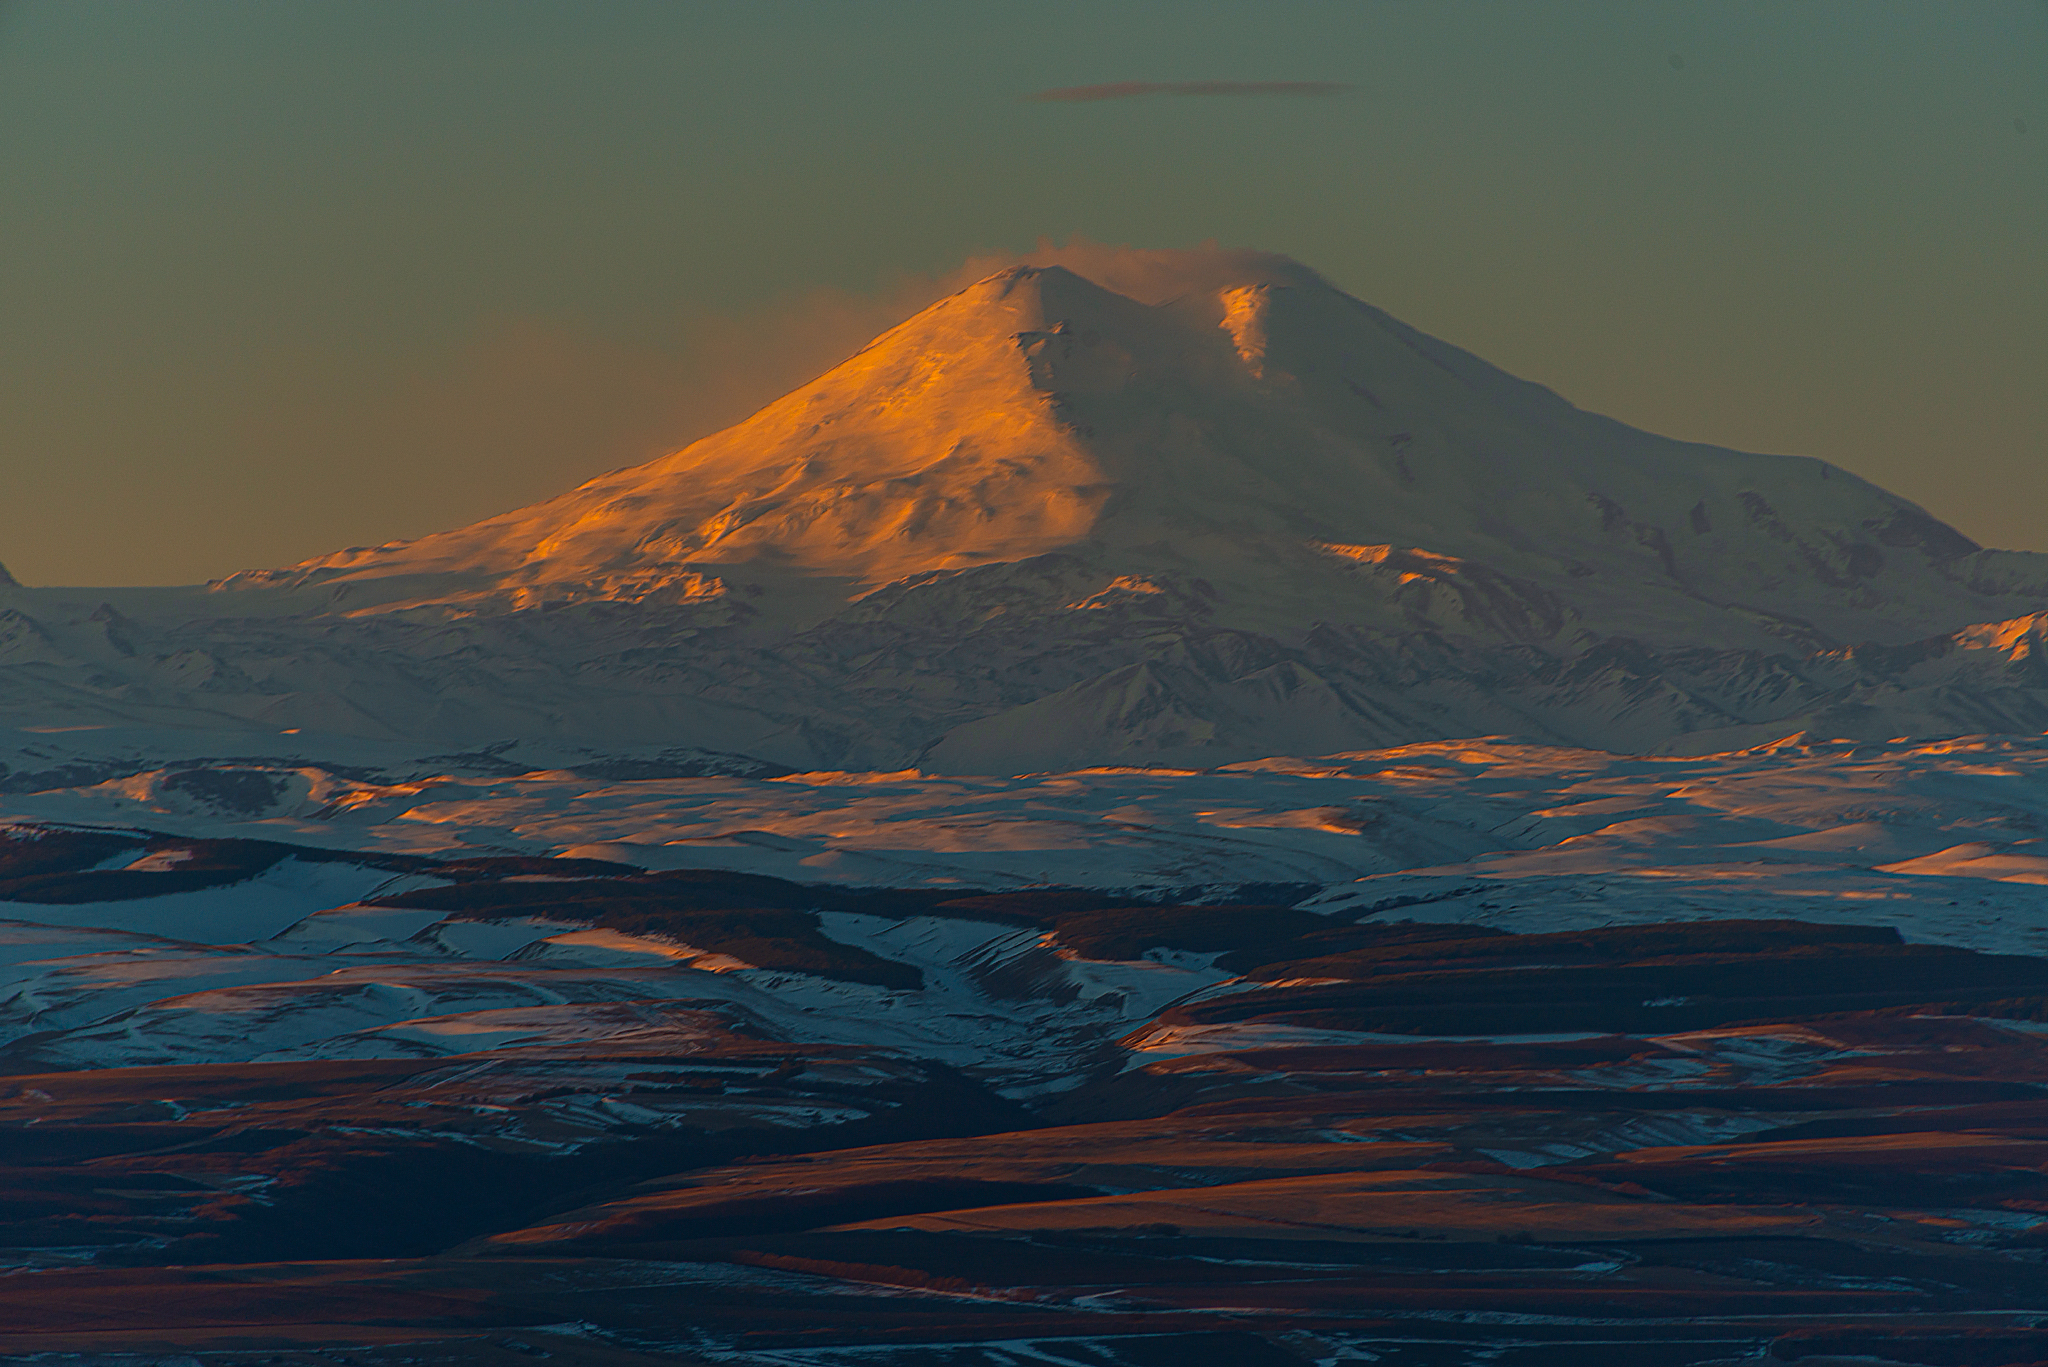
(279, 277)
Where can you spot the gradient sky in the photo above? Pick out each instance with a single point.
(281, 277)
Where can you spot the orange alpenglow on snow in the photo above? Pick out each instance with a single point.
(1238, 430)
(935, 447)
(1220, 511)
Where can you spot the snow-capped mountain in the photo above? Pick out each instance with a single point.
(840, 893)
(1041, 524)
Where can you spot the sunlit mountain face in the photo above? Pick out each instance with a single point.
(1043, 525)
(1206, 829)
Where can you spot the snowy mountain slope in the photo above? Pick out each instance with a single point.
(948, 677)
(1270, 437)
(1042, 525)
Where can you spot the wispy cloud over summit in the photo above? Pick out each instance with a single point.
(1126, 90)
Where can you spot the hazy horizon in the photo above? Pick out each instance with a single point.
(293, 277)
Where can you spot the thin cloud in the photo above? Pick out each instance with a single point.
(1130, 90)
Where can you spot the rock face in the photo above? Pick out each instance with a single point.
(1042, 525)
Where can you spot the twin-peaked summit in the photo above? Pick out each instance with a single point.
(1044, 524)
(1245, 434)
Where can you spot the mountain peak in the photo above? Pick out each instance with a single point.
(1245, 419)
(1186, 511)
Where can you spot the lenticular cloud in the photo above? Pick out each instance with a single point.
(1125, 90)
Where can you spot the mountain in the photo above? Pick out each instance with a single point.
(514, 943)
(1263, 435)
(1043, 524)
